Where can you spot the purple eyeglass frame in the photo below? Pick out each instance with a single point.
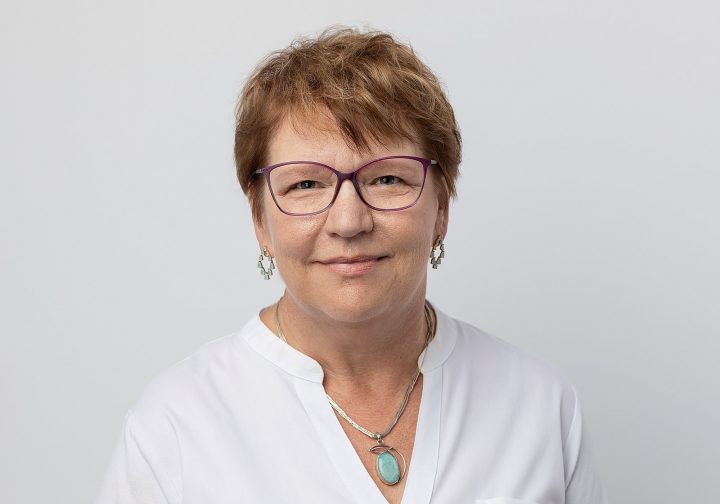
(342, 177)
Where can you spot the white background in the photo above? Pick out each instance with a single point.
(586, 230)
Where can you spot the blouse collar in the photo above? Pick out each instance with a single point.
(263, 341)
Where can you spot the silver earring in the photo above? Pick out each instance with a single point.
(266, 272)
(435, 261)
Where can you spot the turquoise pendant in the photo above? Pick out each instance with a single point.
(387, 464)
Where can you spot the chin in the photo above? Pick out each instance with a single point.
(355, 303)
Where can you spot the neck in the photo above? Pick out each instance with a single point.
(379, 351)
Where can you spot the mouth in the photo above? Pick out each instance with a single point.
(352, 265)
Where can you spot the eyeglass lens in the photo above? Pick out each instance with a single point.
(386, 184)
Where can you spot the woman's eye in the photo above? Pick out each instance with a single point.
(387, 180)
(305, 184)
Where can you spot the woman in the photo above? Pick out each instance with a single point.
(352, 387)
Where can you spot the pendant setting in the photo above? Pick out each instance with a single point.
(387, 464)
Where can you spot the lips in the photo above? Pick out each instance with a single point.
(350, 266)
(350, 260)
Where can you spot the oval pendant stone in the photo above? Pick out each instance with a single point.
(388, 468)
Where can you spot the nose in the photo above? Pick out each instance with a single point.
(348, 216)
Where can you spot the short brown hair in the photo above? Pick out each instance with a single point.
(373, 87)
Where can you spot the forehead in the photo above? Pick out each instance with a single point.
(318, 139)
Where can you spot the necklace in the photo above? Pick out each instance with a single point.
(387, 464)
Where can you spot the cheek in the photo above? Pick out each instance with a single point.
(293, 238)
(412, 238)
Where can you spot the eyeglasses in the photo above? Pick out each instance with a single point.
(307, 187)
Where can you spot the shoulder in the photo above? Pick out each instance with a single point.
(487, 366)
(201, 380)
(480, 350)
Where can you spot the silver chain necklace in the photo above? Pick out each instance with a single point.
(387, 465)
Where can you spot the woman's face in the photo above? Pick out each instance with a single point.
(349, 263)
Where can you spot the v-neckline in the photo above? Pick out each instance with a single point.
(363, 489)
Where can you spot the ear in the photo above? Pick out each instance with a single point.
(261, 233)
(441, 223)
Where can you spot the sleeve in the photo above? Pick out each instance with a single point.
(132, 478)
(582, 481)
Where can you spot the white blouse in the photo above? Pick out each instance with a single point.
(245, 420)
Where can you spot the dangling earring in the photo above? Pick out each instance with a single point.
(437, 260)
(266, 272)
